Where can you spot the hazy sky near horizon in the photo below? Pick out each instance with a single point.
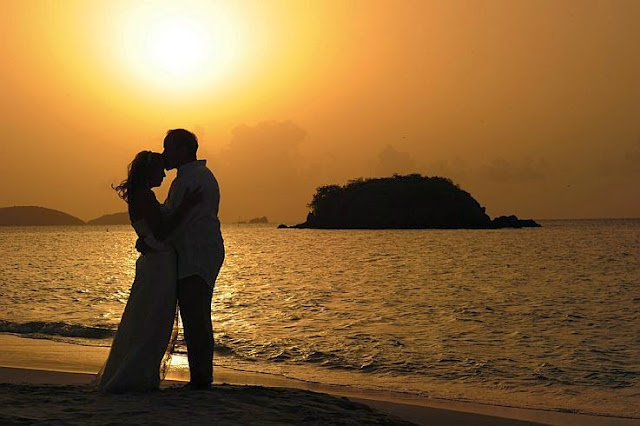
(531, 106)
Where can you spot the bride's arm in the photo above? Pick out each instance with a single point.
(161, 219)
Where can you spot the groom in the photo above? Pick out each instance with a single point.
(200, 250)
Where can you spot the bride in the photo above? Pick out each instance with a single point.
(142, 345)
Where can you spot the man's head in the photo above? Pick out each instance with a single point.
(180, 148)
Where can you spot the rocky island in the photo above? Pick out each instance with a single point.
(36, 216)
(401, 202)
(261, 220)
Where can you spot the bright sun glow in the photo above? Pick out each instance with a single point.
(181, 46)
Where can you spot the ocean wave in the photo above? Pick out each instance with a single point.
(56, 329)
(292, 353)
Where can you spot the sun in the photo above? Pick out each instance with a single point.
(180, 45)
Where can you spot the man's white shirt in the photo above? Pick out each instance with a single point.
(197, 240)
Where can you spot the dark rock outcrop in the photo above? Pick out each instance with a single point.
(36, 216)
(255, 220)
(400, 202)
(262, 219)
(513, 222)
(111, 219)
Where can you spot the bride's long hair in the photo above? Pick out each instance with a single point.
(138, 173)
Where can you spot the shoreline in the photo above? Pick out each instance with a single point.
(44, 362)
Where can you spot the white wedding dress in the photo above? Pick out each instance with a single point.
(142, 345)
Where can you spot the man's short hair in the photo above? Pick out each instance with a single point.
(183, 137)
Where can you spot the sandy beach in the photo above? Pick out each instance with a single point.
(47, 381)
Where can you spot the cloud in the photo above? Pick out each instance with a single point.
(623, 164)
(261, 172)
(277, 138)
(498, 170)
(263, 154)
(525, 170)
(390, 161)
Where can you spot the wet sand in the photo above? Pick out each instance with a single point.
(46, 381)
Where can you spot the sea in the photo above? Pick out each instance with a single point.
(545, 318)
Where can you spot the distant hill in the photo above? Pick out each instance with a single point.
(401, 202)
(35, 216)
(111, 219)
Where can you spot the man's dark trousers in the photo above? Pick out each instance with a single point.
(194, 300)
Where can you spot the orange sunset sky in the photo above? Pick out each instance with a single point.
(531, 106)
